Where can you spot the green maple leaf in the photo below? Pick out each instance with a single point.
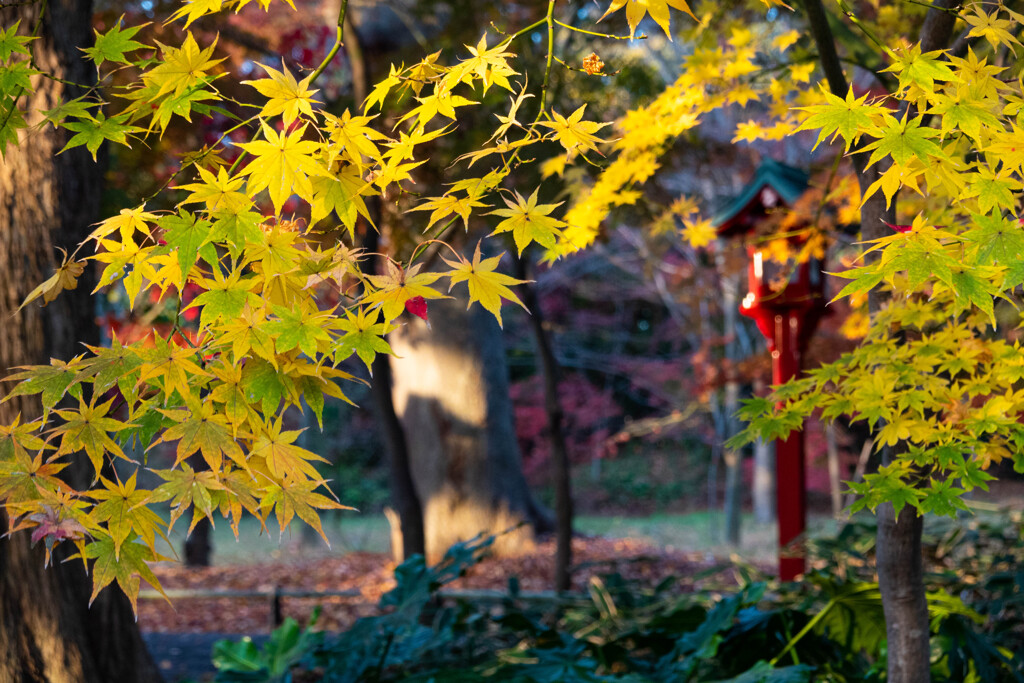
(903, 140)
(994, 191)
(186, 488)
(364, 336)
(975, 289)
(236, 229)
(207, 432)
(184, 103)
(127, 567)
(922, 70)
(11, 43)
(224, 298)
(86, 429)
(262, 383)
(1000, 240)
(529, 221)
(848, 118)
(114, 44)
(863, 279)
(77, 108)
(964, 113)
(53, 381)
(123, 507)
(18, 436)
(297, 329)
(190, 236)
(91, 132)
(299, 498)
(109, 366)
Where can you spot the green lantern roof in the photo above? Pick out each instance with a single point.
(787, 182)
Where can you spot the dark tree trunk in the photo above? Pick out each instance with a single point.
(556, 434)
(408, 538)
(47, 631)
(198, 546)
(451, 393)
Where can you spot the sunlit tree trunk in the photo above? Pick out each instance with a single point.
(450, 390)
(47, 631)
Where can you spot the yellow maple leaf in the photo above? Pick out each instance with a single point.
(194, 9)
(352, 137)
(486, 286)
(66, 277)
(699, 233)
(658, 9)
(573, 133)
(283, 165)
(288, 97)
(217, 191)
(488, 65)
(126, 222)
(181, 67)
(398, 285)
(529, 221)
(447, 205)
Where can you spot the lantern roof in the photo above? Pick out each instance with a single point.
(774, 183)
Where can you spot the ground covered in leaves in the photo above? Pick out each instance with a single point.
(368, 575)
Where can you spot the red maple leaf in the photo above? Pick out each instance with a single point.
(418, 307)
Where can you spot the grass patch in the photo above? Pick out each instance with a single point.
(354, 532)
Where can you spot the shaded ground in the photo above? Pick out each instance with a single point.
(180, 636)
(370, 574)
(186, 656)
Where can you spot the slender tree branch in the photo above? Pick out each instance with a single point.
(339, 40)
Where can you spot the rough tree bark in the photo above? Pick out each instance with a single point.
(47, 631)
(899, 558)
(450, 390)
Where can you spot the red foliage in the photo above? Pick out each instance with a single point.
(591, 415)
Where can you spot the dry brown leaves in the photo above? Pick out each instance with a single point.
(371, 575)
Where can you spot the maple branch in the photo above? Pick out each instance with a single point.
(338, 42)
(848, 11)
(549, 18)
(642, 36)
(31, 60)
(821, 32)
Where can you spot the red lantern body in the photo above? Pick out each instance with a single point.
(786, 300)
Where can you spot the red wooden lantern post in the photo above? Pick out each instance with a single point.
(786, 314)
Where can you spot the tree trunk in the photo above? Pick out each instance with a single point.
(733, 503)
(450, 392)
(835, 479)
(556, 434)
(898, 541)
(764, 481)
(47, 631)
